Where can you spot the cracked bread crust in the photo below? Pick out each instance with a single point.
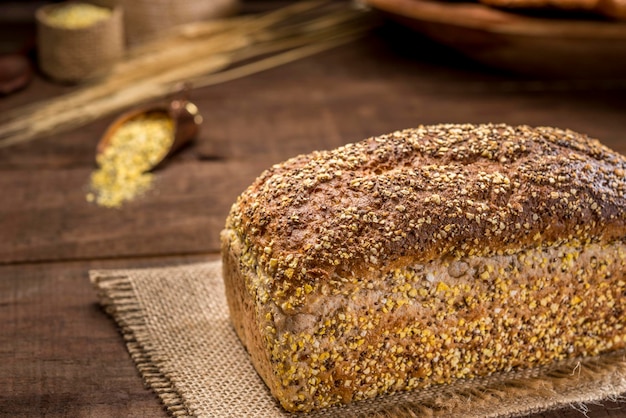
(382, 229)
(426, 193)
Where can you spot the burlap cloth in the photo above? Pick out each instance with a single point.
(76, 55)
(176, 326)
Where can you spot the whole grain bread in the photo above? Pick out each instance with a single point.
(427, 255)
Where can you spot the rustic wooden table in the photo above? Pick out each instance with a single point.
(60, 355)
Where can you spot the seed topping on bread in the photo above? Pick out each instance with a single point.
(430, 192)
(428, 255)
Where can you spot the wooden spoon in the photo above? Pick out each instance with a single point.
(184, 114)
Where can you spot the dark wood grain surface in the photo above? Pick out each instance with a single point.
(60, 355)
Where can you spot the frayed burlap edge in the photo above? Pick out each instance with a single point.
(574, 382)
(118, 298)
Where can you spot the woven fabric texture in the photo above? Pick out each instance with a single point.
(75, 55)
(175, 323)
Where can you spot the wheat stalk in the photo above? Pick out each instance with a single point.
(203, 54)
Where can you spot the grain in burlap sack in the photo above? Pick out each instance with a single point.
(80, 54)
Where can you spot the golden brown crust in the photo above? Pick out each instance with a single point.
(243, 310)
(427, 324)
(427, 193)
(427, 255)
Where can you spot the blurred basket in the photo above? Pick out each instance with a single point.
(78, 54)
(556, 45)
(145, 19)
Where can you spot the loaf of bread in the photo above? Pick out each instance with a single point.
(427, 255)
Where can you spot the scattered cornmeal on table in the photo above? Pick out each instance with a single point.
(134, 149)
(77, 15)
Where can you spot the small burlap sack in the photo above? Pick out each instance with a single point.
(76, 55)
(176, 326)
(146, 19)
